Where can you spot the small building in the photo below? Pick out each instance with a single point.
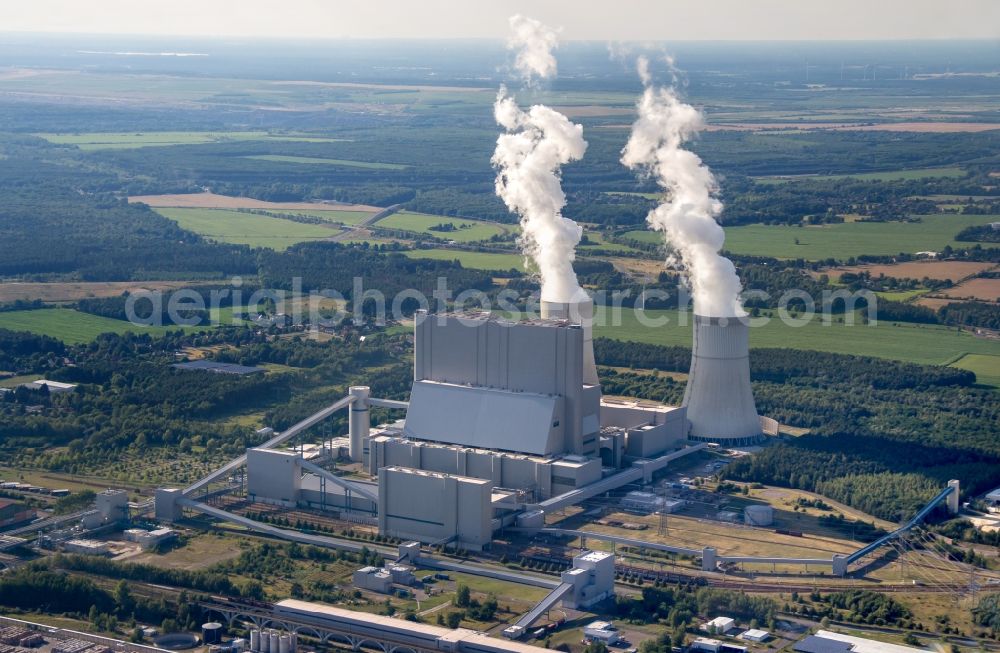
(755, 635)
(642, 502)
(719, 625)
(705, 644)
(151, 539)
(992, 500)
(603, 631)
(13, 513)
(55, 387)
(86, 547)
(670, 506)
(374, 579)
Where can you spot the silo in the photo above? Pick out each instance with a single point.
(293, 641)
(284, 645)
(255, 640)
(275, 642)
(211, 632)
(718, 398)
(359, 422)
(578, 312)
(265, 642)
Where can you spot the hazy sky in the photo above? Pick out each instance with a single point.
(580, 19)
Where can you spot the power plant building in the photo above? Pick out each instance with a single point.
(504, 418)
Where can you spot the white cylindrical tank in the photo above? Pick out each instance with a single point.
(293, 641)
(758, 515)
(578, 312)
(265, 642)
(239, 644)
(359, 423)
(255, 640)
(284, 644)
(718, 398)
(275, 642)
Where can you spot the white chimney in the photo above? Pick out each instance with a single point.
(718, 398)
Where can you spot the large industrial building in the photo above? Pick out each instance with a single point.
(505, 422)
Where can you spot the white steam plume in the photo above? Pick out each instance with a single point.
(534, 43)
(687, 217)
(528, 158)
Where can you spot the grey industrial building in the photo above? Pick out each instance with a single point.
(503, 416)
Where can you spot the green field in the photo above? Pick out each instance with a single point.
(466, 231)
(70, 326)
(131, 140)
(986, 367)
(246, 228)
(474, 260)
(280, 158)
(334, 215)
(926, 344)
(843, 240)
(892, 175)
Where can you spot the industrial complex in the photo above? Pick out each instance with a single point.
(506, 422)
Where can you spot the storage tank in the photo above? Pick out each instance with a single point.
(211, 632)
(718, 398)
(255, 640)
(293, 642)
(239, 644)
(265, 642)
(758, 515)
(275, 642)
(578, 312)
(284, 644)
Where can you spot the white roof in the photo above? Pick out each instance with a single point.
(862, 645)
(481, 417)
(719, 622)
(52, 384)
(754, 633)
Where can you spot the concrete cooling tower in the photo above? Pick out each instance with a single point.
(718, 398)
(581, 312)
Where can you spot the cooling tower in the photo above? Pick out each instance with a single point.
(718, 397)
(579, 312)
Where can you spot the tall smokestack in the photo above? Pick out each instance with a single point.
(718, 398)
(578, 311)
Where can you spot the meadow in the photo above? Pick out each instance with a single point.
(466, 231)
(844, 240)
(373, 165)
(334, 216)
(473, 260)
(126, 140)
(69, 325)
(246, 228)
(891, 175)
(924, 344)
(986, 367)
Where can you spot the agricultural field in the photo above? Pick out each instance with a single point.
(938, 270)
(844, 240)
(925, 344)
(984, 290)
(251, 229)
(125, 140)
(986, 367)
(373, 165)
(891, 175)
(474, 260)
(70, 326)
(71, 291)
(465, 231)
(208, 200)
